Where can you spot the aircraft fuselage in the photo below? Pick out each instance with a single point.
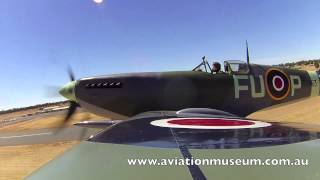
(126, 95)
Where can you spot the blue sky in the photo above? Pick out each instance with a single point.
(39, 38)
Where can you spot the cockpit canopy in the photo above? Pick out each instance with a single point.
(236, 67)
(230, 66)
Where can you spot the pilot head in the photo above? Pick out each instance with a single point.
(216, 67)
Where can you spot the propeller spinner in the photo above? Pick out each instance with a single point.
(68, 91)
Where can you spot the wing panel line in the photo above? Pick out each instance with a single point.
(194, 169)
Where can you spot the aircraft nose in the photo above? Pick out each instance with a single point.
(67, 91)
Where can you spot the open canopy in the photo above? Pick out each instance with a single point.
(230, 66)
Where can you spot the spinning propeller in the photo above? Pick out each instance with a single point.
(67, 91)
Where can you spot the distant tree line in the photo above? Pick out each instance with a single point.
(33, 107)
(314, 62)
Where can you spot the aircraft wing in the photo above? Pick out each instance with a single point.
(155, 145)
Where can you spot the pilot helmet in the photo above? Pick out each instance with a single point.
(216, 67)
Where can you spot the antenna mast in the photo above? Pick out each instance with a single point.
(248, 57)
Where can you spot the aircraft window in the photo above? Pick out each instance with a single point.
(235, 66)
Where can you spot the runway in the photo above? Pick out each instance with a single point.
(43, 136)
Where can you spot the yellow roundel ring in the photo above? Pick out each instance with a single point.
(277, 83)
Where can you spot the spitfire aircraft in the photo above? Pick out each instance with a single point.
(188, 114)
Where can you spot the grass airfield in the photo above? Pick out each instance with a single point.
(16, 162)
(19, 161)
(304, 112)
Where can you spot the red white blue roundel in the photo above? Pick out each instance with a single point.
(208, 123)
(277, 83)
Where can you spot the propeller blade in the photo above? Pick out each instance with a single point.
(71, 74)
(72, 109)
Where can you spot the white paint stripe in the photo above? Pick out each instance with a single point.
(26, 135)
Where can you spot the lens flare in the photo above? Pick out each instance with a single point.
(98, 1)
